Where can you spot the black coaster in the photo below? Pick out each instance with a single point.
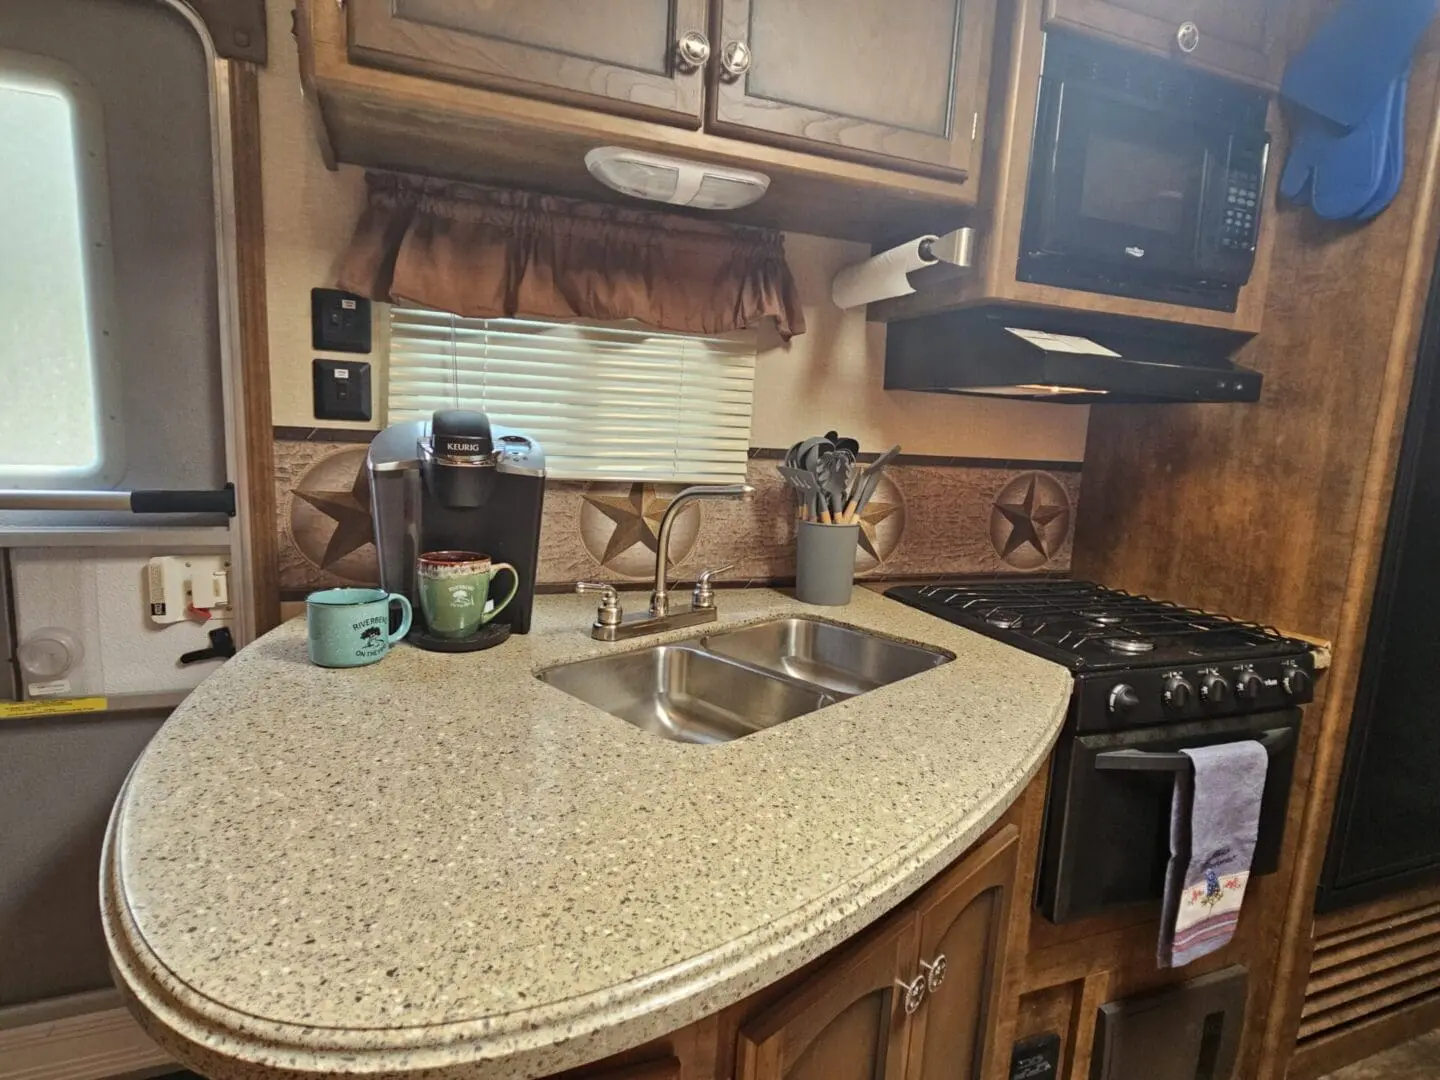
(487, 637)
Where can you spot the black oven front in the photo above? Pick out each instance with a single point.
(1107, 827)
(1146, 177)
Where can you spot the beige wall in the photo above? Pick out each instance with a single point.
(829, 377)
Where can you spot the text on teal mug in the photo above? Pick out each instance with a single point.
(351, 627)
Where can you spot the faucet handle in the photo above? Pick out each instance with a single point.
(704, 596)
(609, 613)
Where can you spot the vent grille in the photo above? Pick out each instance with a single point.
(1371, 969)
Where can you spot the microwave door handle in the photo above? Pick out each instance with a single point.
(1273, 741)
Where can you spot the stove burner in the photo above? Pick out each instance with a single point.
(1090, 628)
(1129, 646)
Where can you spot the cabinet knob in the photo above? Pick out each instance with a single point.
(934, 972)
(914, 993)
(692, 51)
(1188, 37)
(735, 58)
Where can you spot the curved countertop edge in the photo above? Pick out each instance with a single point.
(225, 1043)
(221, 1041)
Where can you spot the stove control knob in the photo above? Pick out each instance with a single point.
(1248, 686)
(1296, 681)
(1123, 700)
(1178, 693)
(1215, 691)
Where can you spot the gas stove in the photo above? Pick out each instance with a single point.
(1136, 660)
(1152, 679)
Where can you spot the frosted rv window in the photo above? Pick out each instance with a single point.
(54, 279)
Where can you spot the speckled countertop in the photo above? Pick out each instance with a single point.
(439, 865)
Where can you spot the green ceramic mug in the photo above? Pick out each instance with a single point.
(351, 627)
(453, 588)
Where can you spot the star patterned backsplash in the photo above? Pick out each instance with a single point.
(929, 516)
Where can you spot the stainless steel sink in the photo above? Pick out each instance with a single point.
(840, 659)
(733, 684)
(685, 694)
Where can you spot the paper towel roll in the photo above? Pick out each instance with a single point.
(880, 277)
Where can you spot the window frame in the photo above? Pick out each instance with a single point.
(93, 194)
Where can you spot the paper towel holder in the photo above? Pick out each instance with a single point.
(956, 248)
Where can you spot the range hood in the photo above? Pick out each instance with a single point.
(1063, 358)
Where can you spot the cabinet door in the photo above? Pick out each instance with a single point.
(901, 81)
(962, 919)
(1235, 37)
(613, 55)
(845, 1022)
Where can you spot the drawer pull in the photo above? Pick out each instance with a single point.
(692, 51)
(735, 58)
(934, 972)
(914, 993)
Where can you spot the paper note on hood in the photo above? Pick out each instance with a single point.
(1067, 343)
(881, 277)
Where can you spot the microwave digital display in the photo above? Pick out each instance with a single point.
(1145, 178)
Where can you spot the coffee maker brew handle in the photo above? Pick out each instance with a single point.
(406, 615)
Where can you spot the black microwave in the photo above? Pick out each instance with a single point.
(1146, 177)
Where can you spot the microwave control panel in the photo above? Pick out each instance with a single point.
(1242, 209)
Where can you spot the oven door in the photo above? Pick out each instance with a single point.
(1118, 183)
(1107, 828)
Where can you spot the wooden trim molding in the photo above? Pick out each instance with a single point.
(87, 1037)
(253, 336)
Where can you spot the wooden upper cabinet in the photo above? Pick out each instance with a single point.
(962, 921)
(1231, 37)
(900, 82)
(615, 55)
(845, 1022)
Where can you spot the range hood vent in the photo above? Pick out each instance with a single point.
(1040, 356)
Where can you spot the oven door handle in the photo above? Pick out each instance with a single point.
(1273, 741)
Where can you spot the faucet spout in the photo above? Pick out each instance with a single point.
(660, 598)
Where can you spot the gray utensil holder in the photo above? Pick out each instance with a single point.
(825, 562)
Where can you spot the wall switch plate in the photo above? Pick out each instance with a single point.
(339, 321)
(342, 390)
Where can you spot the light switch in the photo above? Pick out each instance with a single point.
(342, 390)
(339, 321)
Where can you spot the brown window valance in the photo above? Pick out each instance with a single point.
(488, 252)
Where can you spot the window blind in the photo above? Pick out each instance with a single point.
(606, 401)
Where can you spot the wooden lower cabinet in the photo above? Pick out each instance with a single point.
(848, 1018)
(962, 918)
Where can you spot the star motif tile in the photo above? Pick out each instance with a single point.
(1030, 520)
(350, 510)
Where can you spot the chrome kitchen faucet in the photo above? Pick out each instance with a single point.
(612, 624)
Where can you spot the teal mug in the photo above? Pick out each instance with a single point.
(351, 627)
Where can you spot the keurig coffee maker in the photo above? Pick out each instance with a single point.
(457, 483)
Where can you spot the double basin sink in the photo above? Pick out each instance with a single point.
(728, 684)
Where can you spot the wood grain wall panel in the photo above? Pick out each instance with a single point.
(1276, 511)
(263, 573)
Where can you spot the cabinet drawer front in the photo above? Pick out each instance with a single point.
(612, 55)
(897, 82)
(1234, 39)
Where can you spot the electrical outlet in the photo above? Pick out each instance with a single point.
(339, 321)
(342, 389)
